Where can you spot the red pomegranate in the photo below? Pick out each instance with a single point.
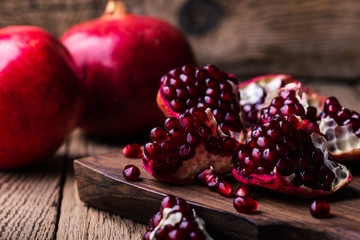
(121, 58)
(275, 115)
(39, 100)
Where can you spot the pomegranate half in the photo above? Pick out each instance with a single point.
(121, 57)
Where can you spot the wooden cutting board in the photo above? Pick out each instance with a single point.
(101, 184)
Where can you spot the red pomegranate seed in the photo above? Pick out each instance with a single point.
(133, 150)
(212, 181)
(158, 134)
(243, 191)
(225, 189)
(320, 209)
(200, 178)
(245, 204)
(131, 173)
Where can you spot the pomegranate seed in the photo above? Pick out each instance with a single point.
(245, 204)
(320, 209)
(133, 150)
(187, 152)
(131, 173)
(200, 178)
(169, 92)
(172, 123)
(168, 202)
(158, 134)
(243, 191)
(152, 150)
(212, 182)
(225, 189)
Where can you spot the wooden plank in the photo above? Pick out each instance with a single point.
(30, 200)
(246, 38)
(101, 184)
(80, 221)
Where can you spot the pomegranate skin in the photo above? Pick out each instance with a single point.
(122, 58)
(39, 96)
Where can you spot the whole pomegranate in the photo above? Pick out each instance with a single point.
(122, 58)
(39, 103)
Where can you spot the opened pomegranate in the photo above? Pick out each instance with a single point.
(187, 146)
(121, 58)
(280, 155)
(207, 86)
(342, 128)
(176, 220)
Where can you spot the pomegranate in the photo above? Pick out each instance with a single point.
(281, 155)
(342, 128)
(133, 150)
(245, 204)
(121, 58)
(131, 173)
(176, 220)
(39, 100)
(320, 209)
(206, 86)
(188, 146)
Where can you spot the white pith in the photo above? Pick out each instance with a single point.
(340, 138)
(203, 159)
(171, 217)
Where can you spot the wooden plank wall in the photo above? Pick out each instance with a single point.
(303, 38)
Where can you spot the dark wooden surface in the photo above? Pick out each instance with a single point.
(303, 38)
(43, 202)
(101, 184)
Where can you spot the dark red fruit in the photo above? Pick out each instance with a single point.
(187, 87)
(245, 204)
(131, 173)
(189, 145)
(176, 220)
(121, 57)
(320, 209)
(133, 150)
(288, 161)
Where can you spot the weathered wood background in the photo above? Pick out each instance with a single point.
(248, 37)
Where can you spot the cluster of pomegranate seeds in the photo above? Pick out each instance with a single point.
(342, 115)
(245, 204)
(283, 144)
(133, 150)
(320, 209)
(207, 86)
(180, 139)
(176, 220)
(131, 173)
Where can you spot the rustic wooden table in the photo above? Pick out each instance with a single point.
(43, 202)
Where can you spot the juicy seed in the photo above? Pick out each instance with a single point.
(158, 134)
(225, 189)
(245, 204)
(212, 181)
(133, 150)
(131, 173)
(320, 209)
(243, 191)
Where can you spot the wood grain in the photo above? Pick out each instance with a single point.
(80, 221)
(30, 200)
(101, 184)
(302, 38)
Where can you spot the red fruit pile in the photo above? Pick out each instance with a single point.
(176, 220)
(275, 129)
